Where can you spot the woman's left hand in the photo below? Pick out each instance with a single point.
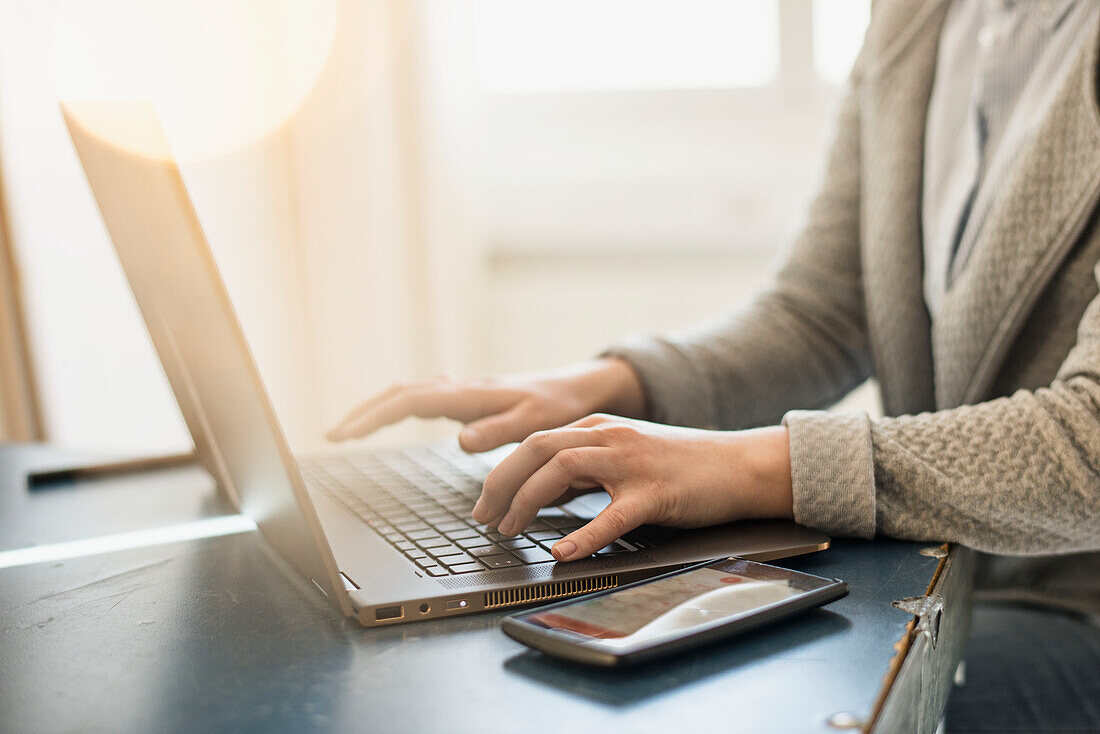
(665, 475)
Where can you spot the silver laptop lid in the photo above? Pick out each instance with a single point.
(164, 253)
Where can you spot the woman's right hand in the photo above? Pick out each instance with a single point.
(504, 410)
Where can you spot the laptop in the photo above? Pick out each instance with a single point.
(386, 535)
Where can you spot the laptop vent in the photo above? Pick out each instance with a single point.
(543, 592)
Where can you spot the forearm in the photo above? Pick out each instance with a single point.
(785, 351)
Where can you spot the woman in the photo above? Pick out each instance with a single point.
(952, 255)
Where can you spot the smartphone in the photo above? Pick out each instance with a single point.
(669, 613)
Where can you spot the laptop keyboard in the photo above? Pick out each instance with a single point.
(419, 501)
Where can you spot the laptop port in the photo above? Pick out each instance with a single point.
(453, 605)
(425, 608)
(389, 614)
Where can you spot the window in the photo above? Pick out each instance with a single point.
(838, 34)
(619, 125)
(531, 46)
(535, 46)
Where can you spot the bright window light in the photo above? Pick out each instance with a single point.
(208, 528)
(585, 45)
(838, 35)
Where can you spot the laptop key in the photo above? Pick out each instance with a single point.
(503, 560)
(543, 535)
(533, 555)
(466, 567)
(443, 550)
(565, 529)
(461, 534)
(473, 542)
(436, 571)
(419, 534)
(516, 543)
(385, 509)
(456, 559)
(452, 525)
(433, 542)
(486, 550)
(558, 520)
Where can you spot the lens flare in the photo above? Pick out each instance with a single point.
(221, 74)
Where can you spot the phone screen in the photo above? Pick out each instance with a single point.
(671, 606)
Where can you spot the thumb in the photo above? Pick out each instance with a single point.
(496, 430)
(618, 518)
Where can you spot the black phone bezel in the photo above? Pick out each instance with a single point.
(577, 648)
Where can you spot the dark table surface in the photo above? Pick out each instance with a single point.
(219, 634)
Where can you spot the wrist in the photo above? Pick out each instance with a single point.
(767, 463)
(616, 388)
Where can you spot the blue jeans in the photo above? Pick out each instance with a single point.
(1028, 670)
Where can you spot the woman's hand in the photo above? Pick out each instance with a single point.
(503, 410)
(681, 477)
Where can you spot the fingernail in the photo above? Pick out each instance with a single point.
(563, 549)
(505, 525)
(470, 438)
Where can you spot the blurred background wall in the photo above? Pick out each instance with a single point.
(465, 186)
